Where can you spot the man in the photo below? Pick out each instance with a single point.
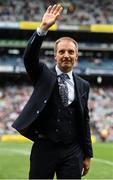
(56, 115)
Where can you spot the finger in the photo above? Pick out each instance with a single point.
(53, 8)
(59, 13)
(84, 172)
(58, 10)
(49, 9)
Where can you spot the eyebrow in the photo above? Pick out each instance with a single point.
(66, 50)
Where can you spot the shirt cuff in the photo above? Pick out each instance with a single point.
(41, 32)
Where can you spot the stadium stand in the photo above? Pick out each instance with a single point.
(85, 65)
(101, 113)
(13, 98)
(94, 59)
(75, 12)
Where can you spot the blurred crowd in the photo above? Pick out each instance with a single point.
(12, 101)
(85, 65)
(101, 112)
(75, 11)
(14, 97)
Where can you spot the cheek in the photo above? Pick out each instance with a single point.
(75, 60)
(57, 58)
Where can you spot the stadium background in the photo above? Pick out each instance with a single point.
(90, 22)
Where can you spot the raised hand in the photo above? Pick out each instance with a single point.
(51, 15)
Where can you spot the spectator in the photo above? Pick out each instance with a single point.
(75, 12)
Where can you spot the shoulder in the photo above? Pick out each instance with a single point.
(81, 81)
(46, 74)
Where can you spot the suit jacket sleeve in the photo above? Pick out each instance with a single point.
(31, 57)
(88, 143)
(82, 88)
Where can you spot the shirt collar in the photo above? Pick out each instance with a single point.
(58, 71)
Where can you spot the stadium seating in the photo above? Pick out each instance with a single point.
(75, 12)
(14, 97)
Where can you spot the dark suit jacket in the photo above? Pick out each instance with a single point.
(44, 80)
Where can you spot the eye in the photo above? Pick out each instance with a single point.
(61, 52)
(71, 52)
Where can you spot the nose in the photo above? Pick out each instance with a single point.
(66, 54)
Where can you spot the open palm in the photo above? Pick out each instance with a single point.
(51, 15)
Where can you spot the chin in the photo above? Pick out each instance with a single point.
(66, 68)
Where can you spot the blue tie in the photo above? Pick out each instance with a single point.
(63, 89)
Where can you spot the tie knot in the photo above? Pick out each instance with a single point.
(64, 76)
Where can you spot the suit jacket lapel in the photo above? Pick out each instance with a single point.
(77, 89)
(54, 71)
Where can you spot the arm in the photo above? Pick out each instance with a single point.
(31, 55)
(88, 143)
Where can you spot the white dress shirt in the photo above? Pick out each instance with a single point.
(41, 32)
(70, 84)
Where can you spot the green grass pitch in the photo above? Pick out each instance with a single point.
(14, 161)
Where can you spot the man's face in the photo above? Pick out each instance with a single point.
(66, 55)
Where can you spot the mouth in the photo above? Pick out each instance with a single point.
(66, 62)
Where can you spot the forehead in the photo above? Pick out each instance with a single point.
(68, 44)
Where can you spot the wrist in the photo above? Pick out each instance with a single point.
(44, 27)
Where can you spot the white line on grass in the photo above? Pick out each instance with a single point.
(24, 152)
(17, 151)
(103, 161)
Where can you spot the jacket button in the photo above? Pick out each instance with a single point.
(37, 112)
(56, 130)
(59, 110)
(36, 132)
(45, 101)
(58, 120)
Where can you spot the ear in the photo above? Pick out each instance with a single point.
(55, 57)
(77, 57)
